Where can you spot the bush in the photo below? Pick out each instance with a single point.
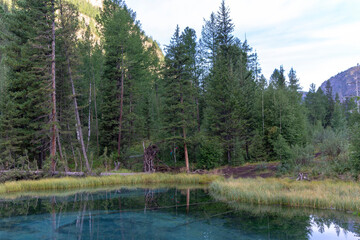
(331, 144)
(210, 154)
(282, 150)
(302, 155)
(16, 175)
(355, 149)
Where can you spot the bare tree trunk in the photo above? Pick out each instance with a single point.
(89, 119)
(121, 104)
(185, 146)
(77, 116)
(60, 148)
(53, 95)
(96, 113)
(186, 152)
(72, 150)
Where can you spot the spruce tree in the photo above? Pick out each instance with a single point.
(209, 39)
(329, 105)
(338, 121)
(179, 89)
(126, 80)
(25, 122)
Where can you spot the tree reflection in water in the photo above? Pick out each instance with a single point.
(160, 214)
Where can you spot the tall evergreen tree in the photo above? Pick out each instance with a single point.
(25, 120)
(127, 75)
(223, 84)
(180, 89)
(338, 121)
(329, 105)
(293, 81)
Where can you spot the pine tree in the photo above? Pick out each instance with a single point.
(285, 119)
(293, 81)
(179, 89)
(25, 122)
(278, 78)
(224, 27)
(338, 121)
(315, 102)
(68, 27)
(329, 105)
(126, 81)
(116, 22)
(210, 39)
(3, 42)
(220, 86)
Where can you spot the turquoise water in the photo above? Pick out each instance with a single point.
(164, 214)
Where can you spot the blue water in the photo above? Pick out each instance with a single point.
(164, 214)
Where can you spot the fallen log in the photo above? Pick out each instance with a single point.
(39, 172)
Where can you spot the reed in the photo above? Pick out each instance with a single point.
(327, 194)
(89, 182)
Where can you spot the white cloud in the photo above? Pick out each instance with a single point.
(319, 38)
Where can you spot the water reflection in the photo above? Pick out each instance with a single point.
(165, 213)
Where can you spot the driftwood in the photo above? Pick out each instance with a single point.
(39, 172)
(76, 174)
(200, 171)
(117, 165)
(302, 176)
(149, 156)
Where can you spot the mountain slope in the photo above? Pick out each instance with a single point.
(88, 10)
(344, 83)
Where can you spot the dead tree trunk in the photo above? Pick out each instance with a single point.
(184, 135)
(76, 108)
(77, 116)
(89, 119)
(121, 104)
(149, 156)
(96, 113)
(53, 94)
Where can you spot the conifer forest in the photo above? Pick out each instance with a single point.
(92, 96)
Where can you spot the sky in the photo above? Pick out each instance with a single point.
(318, 38)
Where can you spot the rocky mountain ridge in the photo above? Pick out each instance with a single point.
(346, 84)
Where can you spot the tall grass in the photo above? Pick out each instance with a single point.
(71, 183)
(316, 194)
(92, 190)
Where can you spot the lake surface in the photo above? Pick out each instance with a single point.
(164, 213)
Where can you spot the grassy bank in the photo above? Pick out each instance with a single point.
(93, 190)
(316, 194)
(87, 182)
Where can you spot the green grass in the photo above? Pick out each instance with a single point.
(326, 194)
(89, 182)
(73, 191)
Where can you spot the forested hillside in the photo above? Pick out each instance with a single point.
(74, 103)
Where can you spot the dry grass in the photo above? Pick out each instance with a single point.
(326, 194)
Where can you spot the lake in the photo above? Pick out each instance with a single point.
(162, 213)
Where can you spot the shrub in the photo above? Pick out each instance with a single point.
(355, 149)
(282, 149)
(210, 154)
(331, 144)
(302, 155)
